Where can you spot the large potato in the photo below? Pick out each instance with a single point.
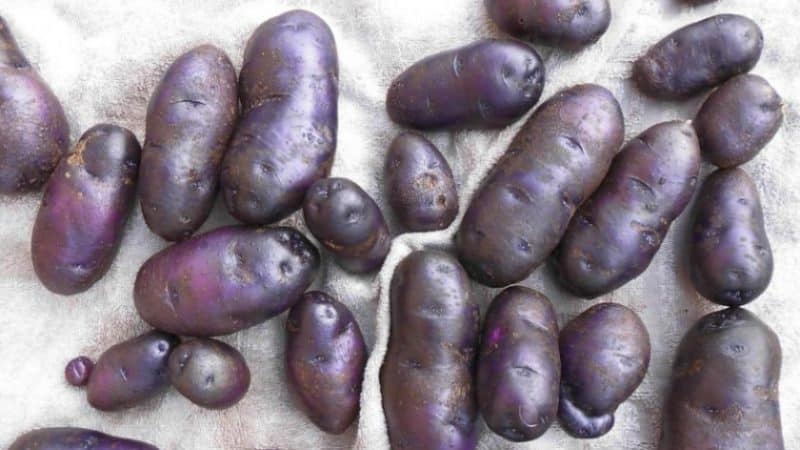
(74, 439)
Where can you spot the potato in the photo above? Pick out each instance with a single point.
(557, 159)
(225, 280)
(699, 56)
(518, 365)
(724, 388)
(85, 206)
(617, 232)
(286, 137)
(348, 223)
(605, 353)
(78, 371)
(426, 379)
(738, 120)
(131, 372)
(325, 359)
(487, 84)
(419, 184)
(190, 120)
(34, 132)
(73, 439)
(730, 259)
(567, 24)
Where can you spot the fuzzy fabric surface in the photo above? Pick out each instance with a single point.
(103, 60)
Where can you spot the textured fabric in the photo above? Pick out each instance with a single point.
(103, 59)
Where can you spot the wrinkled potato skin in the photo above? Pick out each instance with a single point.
(34, 133)
(325, 359)
(74, 438)
(557, 159)
(427, 377)
(83, 212)
(225, 280)
(699, 56)
(518, 365)
(731, 259)
(738, 120)
(616, 233)
(724, 388)
(487, 84)
(286, 137)
(190, 119)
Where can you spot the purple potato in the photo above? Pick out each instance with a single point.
(78, 371)
(487, 84)
(738, 120)
(190, 119)
(427, 377)
(34, 134)
(131, 372)
(286, 137)
(557, 159)
(85, 206)
(731, 259)
(699, 56)
(74, 439)
(605, 353)
(325, 359)
(348, 223)
(614, 235)
(724, 388)
(419, 184)
(225, 280)
(518, 365)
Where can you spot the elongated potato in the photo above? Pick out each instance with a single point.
(617, 232)
(74, 439)
(427, 376)
(554, 163)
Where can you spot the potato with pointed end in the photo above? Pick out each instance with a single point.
(210, 373)
(73, 439)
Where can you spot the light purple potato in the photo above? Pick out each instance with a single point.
(74, 439)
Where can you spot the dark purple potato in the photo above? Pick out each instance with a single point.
(84, 209)
(210, 373)
(518, 365)
(605, 353)
(348, 223)
(419, 184)
(738, 120)
(617, 232)
(190, 119)
(286, 137)
(724, 389)
(567, 24)
(225, 280)
(487, 84)
(699, 56)
(131, 372)
(427, 380)
(34, 133)
(731, 259)
(325, 359)
(74, 439)
(555, 162)
(78, 371)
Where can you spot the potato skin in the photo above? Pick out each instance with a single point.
(724, 388)
(738, 120)
(605, 353)
(74, 438)
(286, 137)
(731, 259)
(325, 359)
(617, 232)
(83, 212)
(699, 56)
(518, 365)
(419, 184)
(190, 119)
(554, 163)
(486, 84)
(35, 132)
(427, 376)
(225, 280)
(131, 372)
(348, 223)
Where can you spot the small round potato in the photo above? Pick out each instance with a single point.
(74, 439)
(78, 371)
